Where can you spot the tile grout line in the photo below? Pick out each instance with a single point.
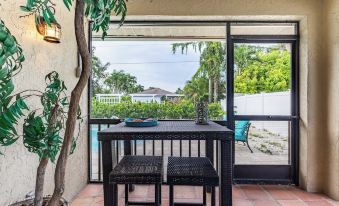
(244, 194)
(298, 199)
(275, 200)
(262, 188)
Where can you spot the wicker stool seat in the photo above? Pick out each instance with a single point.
(193, 171)
(139, 170)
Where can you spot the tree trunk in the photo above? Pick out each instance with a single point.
(59, 176)
(39, 182)
(40, 175)
(210, 90)
(216, 89)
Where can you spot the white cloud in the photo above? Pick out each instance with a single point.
(152, 62)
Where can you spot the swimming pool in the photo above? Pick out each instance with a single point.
(94, 138)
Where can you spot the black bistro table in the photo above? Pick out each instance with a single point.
(170, 130)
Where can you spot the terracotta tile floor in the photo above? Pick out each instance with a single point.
(243, 195)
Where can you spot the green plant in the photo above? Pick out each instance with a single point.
(122, 82)
(267, 71)
(41, 130)
(183, 109)
(99, 74)
(209, 75)
(99, 12)
(256, 135)
(11, 106)
(263, 148)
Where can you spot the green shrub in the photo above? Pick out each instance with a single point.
(168, 110)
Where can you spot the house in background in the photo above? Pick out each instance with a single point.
(154, 94)
(151, 94)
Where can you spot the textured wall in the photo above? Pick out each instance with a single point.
(331, 141)
(17, 167)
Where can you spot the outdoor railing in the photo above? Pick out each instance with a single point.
(188, 148)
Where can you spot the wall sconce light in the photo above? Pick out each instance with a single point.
(50, 33)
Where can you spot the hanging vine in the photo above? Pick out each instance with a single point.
(99, 13)
(11, 106)
(42, 128)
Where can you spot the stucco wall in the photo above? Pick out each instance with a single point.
(17, 167)
(331, 52)
(316, 110)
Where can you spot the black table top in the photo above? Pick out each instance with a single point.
(165, 127)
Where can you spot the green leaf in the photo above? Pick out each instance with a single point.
(10, 111)
(46, 17)
(3, 73)
(51, 15)
(68, 3)
(25, 9)
(22, 104)
(100, 12)
(21, 58)
(3, 60)
(30, 3)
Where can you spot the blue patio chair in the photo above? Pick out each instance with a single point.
(241, 132)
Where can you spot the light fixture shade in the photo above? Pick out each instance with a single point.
(50, 33)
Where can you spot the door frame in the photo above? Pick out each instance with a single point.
(284, 174)
(255, 177)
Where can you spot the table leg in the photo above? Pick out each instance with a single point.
(225, 173)
(110, 192)
(210, 150)
(128, 151)
(210, 155)
(127, 147)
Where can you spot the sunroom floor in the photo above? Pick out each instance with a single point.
(243, 195)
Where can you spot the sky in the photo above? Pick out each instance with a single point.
(151, 62)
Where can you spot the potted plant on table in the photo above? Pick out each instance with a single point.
(201, 104)
(201, 110)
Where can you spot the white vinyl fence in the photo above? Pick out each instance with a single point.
(278, 103)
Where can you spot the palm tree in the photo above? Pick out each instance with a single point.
(196, 89)
(212, 63)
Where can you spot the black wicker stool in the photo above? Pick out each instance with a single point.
(193, 171)
(139, 170)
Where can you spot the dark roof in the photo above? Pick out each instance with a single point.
(154, 90)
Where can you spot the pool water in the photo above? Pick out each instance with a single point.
(94, 138)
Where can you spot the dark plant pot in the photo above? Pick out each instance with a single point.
(201, 112)
(29, 202)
